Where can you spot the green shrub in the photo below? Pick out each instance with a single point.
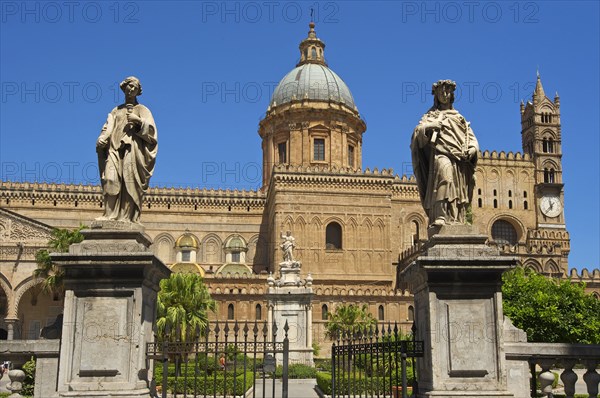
(29, 382)
(356, 384)
(323, 365)
(179, 385)
(324, 382)
(297, 371)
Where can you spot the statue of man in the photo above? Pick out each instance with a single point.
(289, 243)
(126, 149)
(444, 154)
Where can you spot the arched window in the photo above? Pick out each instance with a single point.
(479, 202)
(381, 313)
(411, 313)
(230, 312)
(495, 203)
(258, 312)
(524, 194)
(324, 312)
(525, 205)
(510, 204)
(415, 232)
(503, 232)
(509, 193)
(313, 53)
(333, 236)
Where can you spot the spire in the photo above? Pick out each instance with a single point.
(539, 90)
(557, 100)
(312, 49)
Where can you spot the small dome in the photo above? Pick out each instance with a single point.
(236, 243)
(312, 81)
(187, 240)
(191, 268)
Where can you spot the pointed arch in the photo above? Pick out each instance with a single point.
(211, 249)
(163, 247)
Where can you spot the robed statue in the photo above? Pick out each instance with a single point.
(444, 154)
(288, 245)
(126, 149)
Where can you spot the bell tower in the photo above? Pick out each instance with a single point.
(542, 140)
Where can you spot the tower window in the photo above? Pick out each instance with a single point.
(381, 313)
(350, 155)
(495, 192)
(510, 204)
(258, 312)
(333, 236)
(524, 194)
(230, 312)
(479, 202)
(324, 312)
(504, 233)
(495, 203)
(313, 53)
(282, 152)
(415, 232)
(411, 313)
(509, 193)
(478, 191)
(319, 149)
(525, 205)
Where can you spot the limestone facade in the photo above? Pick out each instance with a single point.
(353, 226)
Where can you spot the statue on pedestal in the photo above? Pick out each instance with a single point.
(288, 245)
(127, 148)
(444, 154)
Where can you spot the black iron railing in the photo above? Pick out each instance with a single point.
(226, 359)
(374, 362)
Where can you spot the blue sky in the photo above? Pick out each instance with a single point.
(208, 70)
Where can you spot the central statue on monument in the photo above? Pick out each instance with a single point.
(126, 149)
(288, 245)
(444, 154)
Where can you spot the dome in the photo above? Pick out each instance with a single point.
(187, 240)
(312, 81)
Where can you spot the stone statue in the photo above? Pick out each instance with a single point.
(444, 154)
(126, 149)
(289, 243)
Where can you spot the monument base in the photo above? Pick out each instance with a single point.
(111, 281)
(289, 299)
(458, 312)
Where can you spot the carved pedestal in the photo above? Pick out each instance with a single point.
(111, 282)
(458, 310)
(289, 299)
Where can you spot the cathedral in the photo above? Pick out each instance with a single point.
(354, 227)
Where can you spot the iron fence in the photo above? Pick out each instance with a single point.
(227, 359)
(374, 362)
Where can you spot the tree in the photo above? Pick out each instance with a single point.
(349, 318)
(182, 307)
(59, 242)
(550, 310)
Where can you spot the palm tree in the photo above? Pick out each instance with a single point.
(349, 318)
(59, 242)
(182, 307)
(182, 311)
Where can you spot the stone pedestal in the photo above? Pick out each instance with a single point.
(458, 310)
(289, 300)
(111, 282)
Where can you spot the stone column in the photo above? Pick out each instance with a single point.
(458, 311)
(111, 282)
(10, 326)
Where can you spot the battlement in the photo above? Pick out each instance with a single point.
(585, 275)
(495, 155)
(72, 193)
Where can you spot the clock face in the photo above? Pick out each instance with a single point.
(551, 206)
